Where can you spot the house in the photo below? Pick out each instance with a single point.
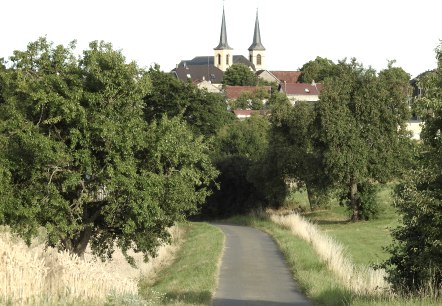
(209, 86)
(301, 92)
(186, 70)
(279, 76)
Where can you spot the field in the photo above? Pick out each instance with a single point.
(364, 241)
(37, 275)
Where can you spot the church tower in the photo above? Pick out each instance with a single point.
(257, 50)
(223, 52)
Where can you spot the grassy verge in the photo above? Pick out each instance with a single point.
(364, 241)
(191, 279)
(320, 285)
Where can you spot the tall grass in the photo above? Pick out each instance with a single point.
(358, 279)
(37, 275)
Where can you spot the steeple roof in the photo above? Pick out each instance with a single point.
(223, 45)
(257, 45)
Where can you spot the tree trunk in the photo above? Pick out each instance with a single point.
(312, 198)
(81, 243)
(353, 202)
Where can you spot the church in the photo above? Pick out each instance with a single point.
(212, 68)
(208, 71)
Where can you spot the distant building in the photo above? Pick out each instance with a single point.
(212, 68)
(279, 77)
(234, 92)
(188, 71)
(209, 86)
(301, 92)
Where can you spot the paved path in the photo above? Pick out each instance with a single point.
(253, 272)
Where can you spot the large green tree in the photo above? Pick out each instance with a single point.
(416, 254)
(294, 140)
(80, 159)
(361, 127)
(240, 75)
(316, 70)
(204, 112)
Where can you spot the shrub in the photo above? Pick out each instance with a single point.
(368, 207)
(416, 254)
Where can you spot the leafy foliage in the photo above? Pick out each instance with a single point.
(81, 161)
(317, 70)
(294, 143)
(242, 159)
(361, 126)
(365, 199)
(251, 100)
(204, 112)
(416, 254)
(240, 75)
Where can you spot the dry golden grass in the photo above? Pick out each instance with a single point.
(35, 275)
(358, 279)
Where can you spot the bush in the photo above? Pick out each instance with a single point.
(368, 207)
(416, 254)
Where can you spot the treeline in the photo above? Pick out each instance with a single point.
(100, 151)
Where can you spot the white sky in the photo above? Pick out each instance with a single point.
(293, 31)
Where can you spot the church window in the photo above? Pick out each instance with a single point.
(251, 58)
(219, 59)
(258, 59)
(227, 59)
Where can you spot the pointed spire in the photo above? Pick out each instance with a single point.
(257, 45)
(223, 45)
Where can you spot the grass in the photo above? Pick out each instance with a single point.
(364, 241)
(191, 278)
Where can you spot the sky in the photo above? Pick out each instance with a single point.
(292, 31)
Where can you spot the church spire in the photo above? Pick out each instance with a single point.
(257, 45)
(223, 45)
(223, 58)
(257, 50)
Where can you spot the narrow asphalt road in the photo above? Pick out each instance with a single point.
(254, 272)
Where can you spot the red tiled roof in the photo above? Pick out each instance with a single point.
(301, 89)
(287, 76)
(234, 92)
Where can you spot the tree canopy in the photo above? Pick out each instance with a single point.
(251, 100)
(361, 126)
(79, 159)
(416, 252)
(241, 151)
(204, 112)
(316, 70)
(293, 141)
(240, 75)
